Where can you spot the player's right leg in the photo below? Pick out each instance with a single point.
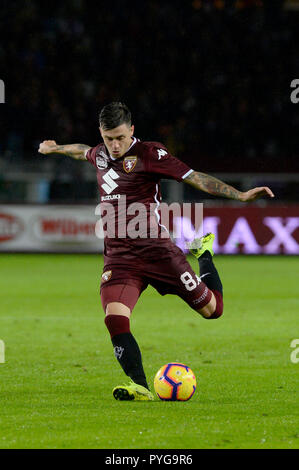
(118, 302)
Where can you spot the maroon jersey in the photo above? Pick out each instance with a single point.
(124, 184)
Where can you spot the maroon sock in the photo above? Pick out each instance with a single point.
(117, 324)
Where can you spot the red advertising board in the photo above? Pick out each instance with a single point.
(253, 230)
(268, 230)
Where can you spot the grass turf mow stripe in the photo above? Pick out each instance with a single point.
(59, 371)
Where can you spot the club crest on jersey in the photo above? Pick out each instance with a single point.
(106, 276)
(102, 161)
(129, 164)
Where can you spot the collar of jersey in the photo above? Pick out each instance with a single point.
(132, 144)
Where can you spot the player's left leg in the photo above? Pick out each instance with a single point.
(202, 249)
(174, 275)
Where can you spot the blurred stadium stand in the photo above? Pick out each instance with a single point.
(210, 79)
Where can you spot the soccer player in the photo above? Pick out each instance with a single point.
(126, 166)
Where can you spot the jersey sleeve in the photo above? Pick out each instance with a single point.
(161, 162)
(91, 156)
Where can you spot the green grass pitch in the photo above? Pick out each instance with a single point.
(59, 370)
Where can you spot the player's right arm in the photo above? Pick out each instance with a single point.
(76, 151)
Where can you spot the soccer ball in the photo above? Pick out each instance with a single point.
(175, 382)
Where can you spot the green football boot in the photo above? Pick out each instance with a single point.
(199, 245)
(132, 391)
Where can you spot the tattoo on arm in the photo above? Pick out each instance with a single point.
(212, 185)
(76, 151)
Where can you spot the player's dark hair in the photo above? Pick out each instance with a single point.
(114, 114)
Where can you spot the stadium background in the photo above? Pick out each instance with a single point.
(209, 79)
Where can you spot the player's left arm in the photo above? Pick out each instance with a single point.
(213, 186)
